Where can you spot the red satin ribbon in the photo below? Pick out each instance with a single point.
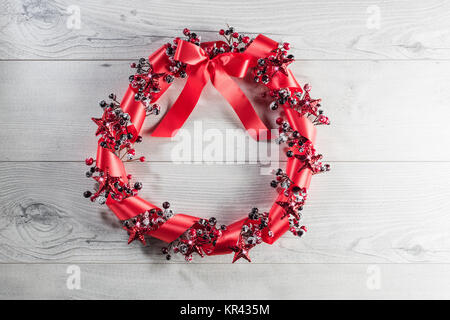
(174, 227)
(200, 70)
(109, 162)
(128, 207)
(219, 69)
(168, 232)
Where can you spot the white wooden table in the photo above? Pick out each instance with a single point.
(378, 222)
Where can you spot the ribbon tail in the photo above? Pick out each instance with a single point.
(182, 108)
(241, 105)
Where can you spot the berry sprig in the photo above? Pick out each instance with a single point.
(114, 127)
(191, 36)
(305, 152)
(115, 135)
(146, 81)
(251, 234)
(302, 149)
(200, 239)
(278, 61)
(109, 186)
(281, 179)
(286, 133)
(296, 196)
(235, 42)
(301, 102)
(292, 206)
(176, 68)
(141, 225)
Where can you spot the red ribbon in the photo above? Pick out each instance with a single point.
(200, 70)
(219, 69)
(109, 162)
(174, 227)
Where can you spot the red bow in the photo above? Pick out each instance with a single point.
(219, 69)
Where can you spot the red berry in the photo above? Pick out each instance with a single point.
(186, 31)
(132, 152)
(235, 34)
(279, 121)
(192, 232)
(129, 176)
(222, 32)
(245, 39)
(89, 161)
(235, 44)
(118, 197)
(142, 159)
(307, 87)
(286, 46)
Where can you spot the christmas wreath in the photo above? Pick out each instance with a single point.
(120, 125)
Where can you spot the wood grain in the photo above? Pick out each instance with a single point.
(385, 111)
(384, 205)
(248, 281)
(358, 213)
(322, 29)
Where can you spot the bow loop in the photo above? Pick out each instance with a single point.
(190, 53)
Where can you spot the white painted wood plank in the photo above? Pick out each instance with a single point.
(392, 214)
(357, 213)
(239, 281)
(382, 111)
(323, 29)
